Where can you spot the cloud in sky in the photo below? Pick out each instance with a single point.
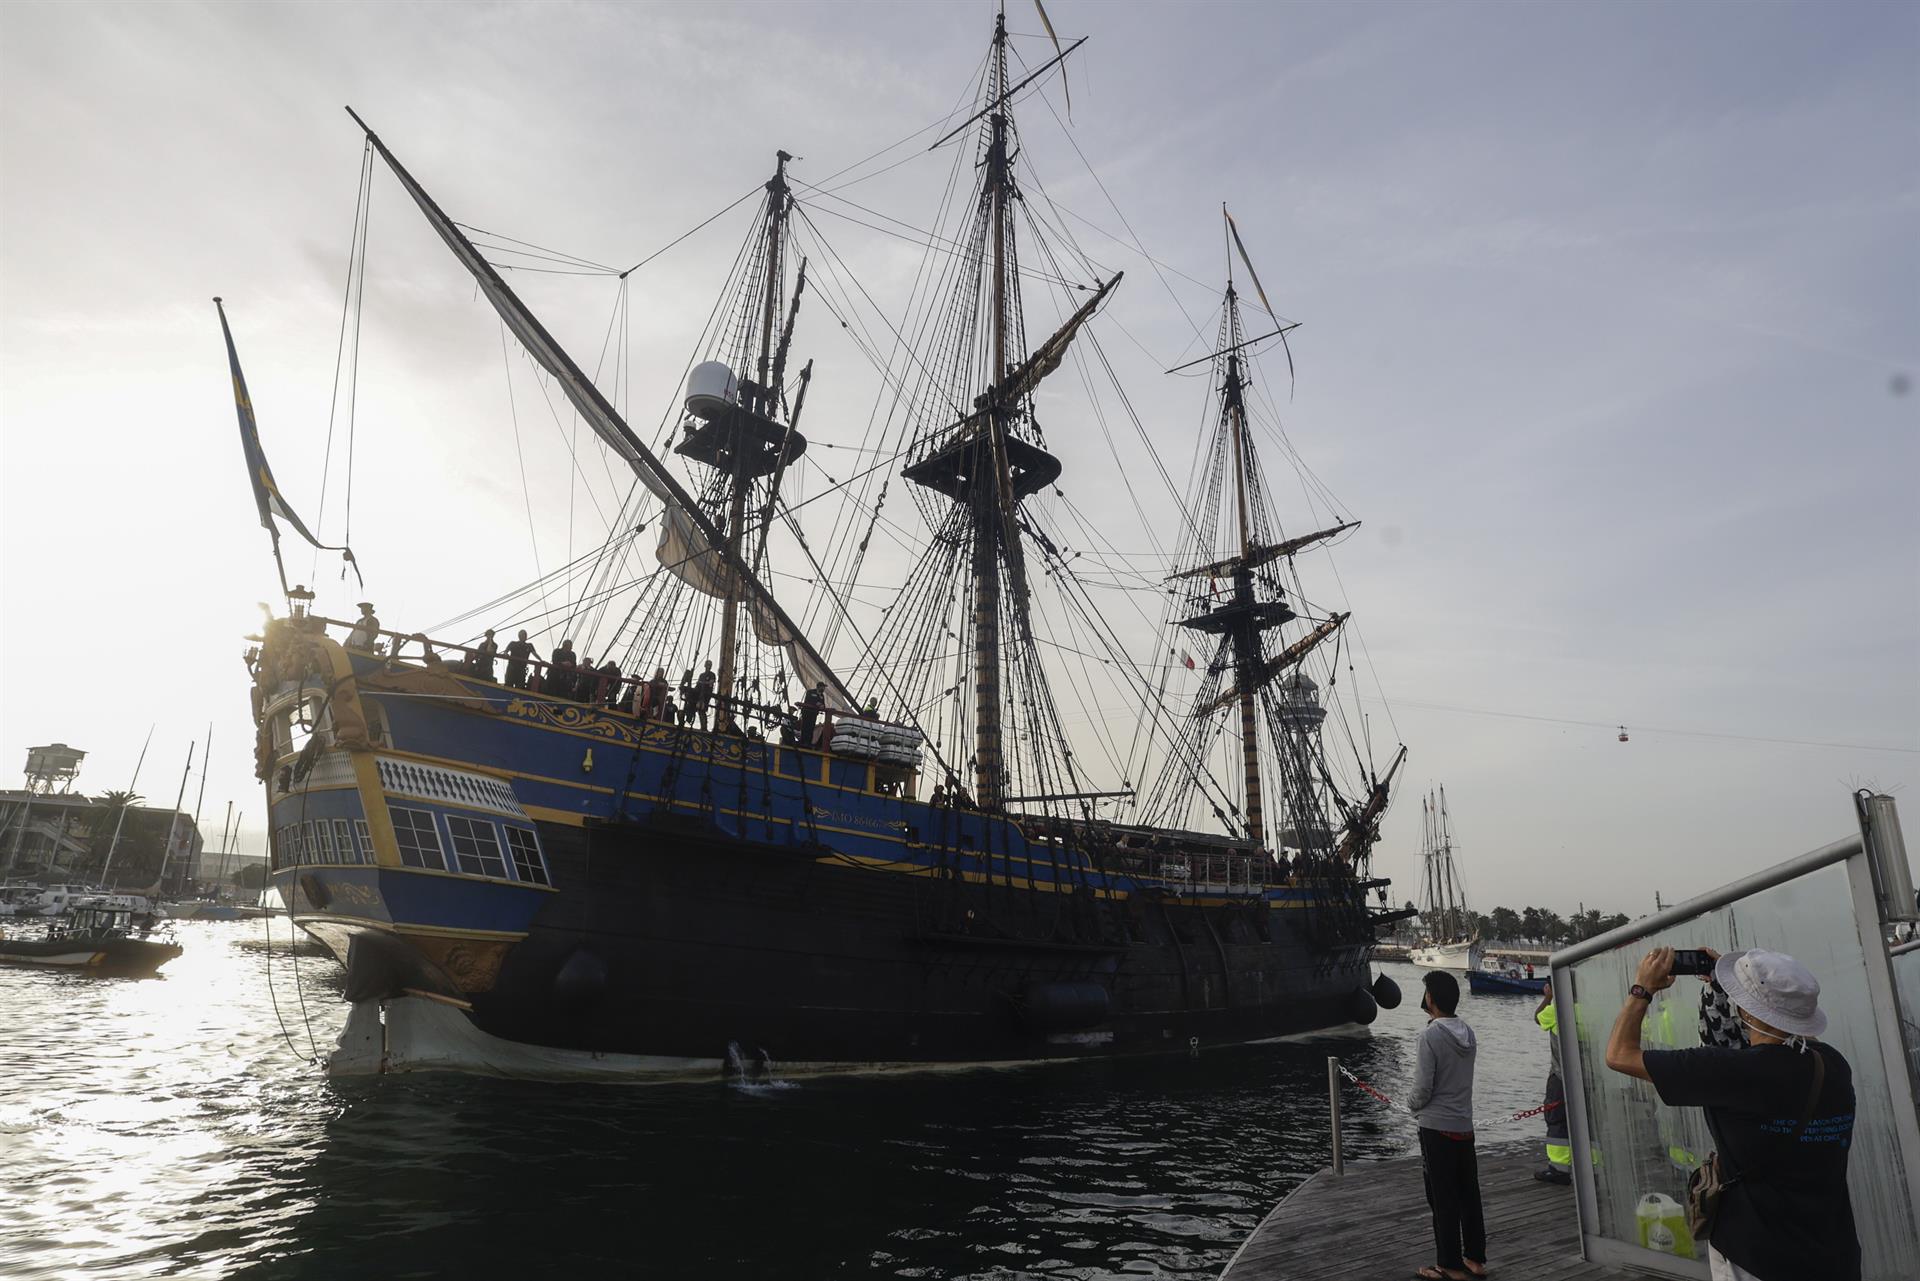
(1604, 308)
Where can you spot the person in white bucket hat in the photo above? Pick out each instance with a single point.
(1779, 1107)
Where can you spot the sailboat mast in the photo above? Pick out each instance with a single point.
(121, 818)
(988, 527)
(173, 824)
(767, 397)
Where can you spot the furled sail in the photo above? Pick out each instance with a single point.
(690, 545)
(1261, 553)
(1280, 662)
(1047, 356)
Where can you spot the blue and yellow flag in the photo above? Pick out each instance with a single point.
(266, 494)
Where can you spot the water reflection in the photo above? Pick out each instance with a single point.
(166, 1127)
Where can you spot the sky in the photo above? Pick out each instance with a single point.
(1609, 322)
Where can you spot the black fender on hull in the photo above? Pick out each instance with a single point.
(1361, 1007)
(1386, 993)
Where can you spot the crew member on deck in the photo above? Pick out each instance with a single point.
(366, 631)
(702, 696)
(518, 653)
(560, 670)
(657, 700)
(607, 688)
(810, 707)
(483, 656)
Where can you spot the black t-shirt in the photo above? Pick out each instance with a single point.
(1787, 1214)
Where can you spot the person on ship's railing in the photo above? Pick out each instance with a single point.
(870, 711)
(480, 657)
(580, 688)
(366, 631)
(519, 652)
(810, 709)
(659, 705)
(561, 665)
(701, 696)
(606, 689)
(630, 691)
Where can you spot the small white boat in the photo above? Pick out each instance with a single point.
(1458, 955)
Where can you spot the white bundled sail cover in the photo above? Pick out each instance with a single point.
(697, 553)
(685, 553)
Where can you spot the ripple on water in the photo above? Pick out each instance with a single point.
(165, 1127)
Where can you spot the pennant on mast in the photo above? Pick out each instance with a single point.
(266, 493)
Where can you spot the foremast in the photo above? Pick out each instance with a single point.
(731, 448)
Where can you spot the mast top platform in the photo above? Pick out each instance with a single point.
(958, 468)
(760, 445)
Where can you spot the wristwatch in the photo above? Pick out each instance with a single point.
(1641, 992)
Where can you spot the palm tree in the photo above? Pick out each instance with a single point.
(106, 822)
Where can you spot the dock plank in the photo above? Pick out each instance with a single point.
(1372, 1221)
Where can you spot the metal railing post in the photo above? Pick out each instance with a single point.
(1333, 1108)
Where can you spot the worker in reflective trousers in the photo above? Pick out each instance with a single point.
(1559, 1145)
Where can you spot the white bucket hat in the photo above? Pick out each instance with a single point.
(1774, 988)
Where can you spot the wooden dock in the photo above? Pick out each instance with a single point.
(1372, 1222)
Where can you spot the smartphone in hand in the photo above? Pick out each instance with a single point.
(1692, 960)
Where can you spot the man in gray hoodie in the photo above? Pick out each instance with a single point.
(1442, 1106)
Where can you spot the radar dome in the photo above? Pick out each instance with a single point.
(711, 389)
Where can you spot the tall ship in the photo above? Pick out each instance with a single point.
(841, 831)
(1448, 939)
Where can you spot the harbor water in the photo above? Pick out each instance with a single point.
(177, 1127)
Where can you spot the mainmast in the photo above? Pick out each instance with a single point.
(987, 523)
(984, 464)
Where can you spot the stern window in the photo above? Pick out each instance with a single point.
(527, 863)
(323, 845)
(366, 840)
(343, 842)
(476, 847)
(418, 839)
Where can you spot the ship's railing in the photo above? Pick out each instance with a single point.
(885, 743)
(1196, 873)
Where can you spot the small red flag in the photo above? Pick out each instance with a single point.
(1187, 659)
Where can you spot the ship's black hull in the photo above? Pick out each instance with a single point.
(680, 941)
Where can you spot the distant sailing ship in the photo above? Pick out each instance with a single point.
(1449, 941)
(550, 876)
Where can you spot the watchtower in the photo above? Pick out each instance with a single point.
(53, 768)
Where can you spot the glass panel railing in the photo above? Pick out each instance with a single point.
(1633, 1153)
